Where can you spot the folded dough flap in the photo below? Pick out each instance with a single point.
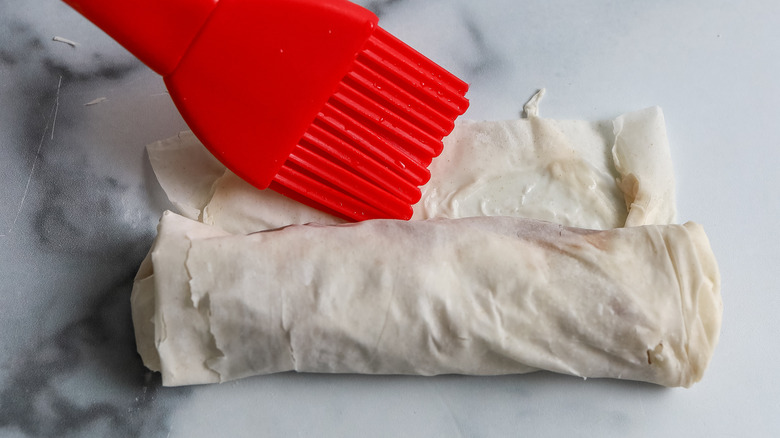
(599, 175)
(481, 296)
(642, 157)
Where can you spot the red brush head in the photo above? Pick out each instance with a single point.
(259, 72)
(308, 94)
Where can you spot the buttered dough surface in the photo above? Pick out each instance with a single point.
(596, 175)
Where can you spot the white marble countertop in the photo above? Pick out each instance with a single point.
(79, 207)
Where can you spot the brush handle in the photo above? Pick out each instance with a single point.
(158, 32)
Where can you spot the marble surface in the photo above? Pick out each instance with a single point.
(80, 205)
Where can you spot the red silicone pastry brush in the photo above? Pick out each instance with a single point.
(308, 97)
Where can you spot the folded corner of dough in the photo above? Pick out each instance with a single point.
(684, 355)
(701, 303)
(642, 157)
(481, 296)
(162, 305)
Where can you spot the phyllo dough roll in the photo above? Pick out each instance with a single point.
(479, 296)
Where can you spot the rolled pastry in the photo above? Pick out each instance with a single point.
(479, 296)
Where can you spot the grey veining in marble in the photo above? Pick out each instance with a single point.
(79, 206)
(73, 234)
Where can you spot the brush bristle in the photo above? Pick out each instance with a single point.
(368, 150)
